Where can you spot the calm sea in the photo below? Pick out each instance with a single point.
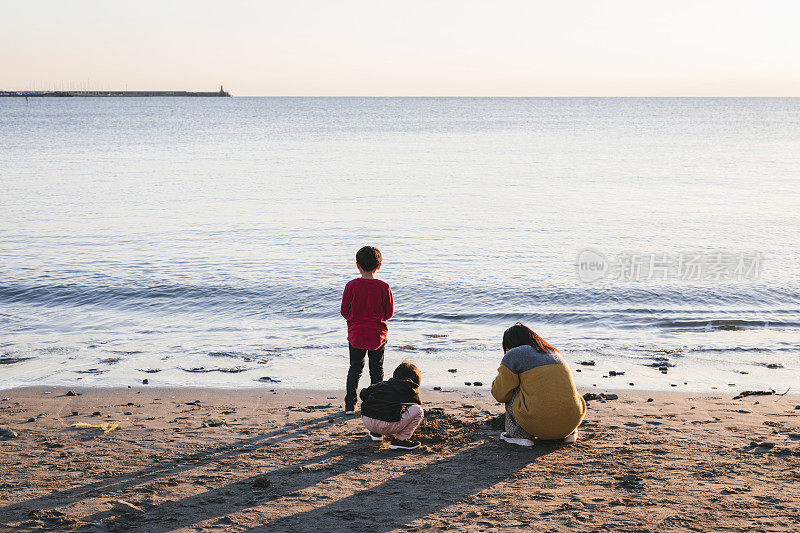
(207, 241)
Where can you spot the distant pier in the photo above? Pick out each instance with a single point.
(69, 94)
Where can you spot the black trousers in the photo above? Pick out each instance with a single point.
(357, 367)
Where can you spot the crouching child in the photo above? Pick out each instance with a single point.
(393, 408)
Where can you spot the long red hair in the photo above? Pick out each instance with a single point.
(519, 335)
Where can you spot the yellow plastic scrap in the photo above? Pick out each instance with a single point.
(108, 427)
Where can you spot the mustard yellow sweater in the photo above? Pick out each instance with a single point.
(548, 405)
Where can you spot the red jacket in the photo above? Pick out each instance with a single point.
(367, 304)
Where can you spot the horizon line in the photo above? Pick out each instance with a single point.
(232, 95)
(500, 96)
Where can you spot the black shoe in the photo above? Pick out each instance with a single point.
(398, 444)
(375, 436)
(349, 408)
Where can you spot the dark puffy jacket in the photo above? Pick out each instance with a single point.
(388, 399)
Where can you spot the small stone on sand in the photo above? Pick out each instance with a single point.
(261, 483)
(121, 506)
(6, 434)
(71, 393)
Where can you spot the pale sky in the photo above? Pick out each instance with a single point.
(414, 48)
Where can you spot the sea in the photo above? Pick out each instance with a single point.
(206, 241)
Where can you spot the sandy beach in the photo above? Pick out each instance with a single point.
(217, 460)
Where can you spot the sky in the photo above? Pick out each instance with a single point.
(411, 48)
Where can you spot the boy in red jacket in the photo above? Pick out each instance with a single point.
(367, 304)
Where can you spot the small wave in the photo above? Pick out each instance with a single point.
(745, 349)
(674, 308)
(8, 360)
(229, 354)
(725, 324)
(93, 371)
(256, 299)
(203, 370)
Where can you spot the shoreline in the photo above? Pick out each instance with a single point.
(253, 460)
(238, 370)
(428, 391)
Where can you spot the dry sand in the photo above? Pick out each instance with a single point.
(201, 460)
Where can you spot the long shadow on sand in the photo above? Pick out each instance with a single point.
(243, 493)
(418, 492)
(170, 468)
(413, 495)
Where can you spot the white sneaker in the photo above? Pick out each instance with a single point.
(517, 441)
(569, 439)
(375, 436)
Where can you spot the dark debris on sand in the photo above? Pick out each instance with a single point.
(754, 393)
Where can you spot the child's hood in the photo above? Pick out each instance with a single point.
(403, 384)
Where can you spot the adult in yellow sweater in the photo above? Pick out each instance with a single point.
(536, 385)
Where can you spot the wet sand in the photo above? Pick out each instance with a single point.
(216, 460)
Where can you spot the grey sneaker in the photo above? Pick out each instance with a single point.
(515, 440)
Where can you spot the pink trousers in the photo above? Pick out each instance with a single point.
(403, 429)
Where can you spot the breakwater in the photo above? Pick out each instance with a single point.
(68, 94)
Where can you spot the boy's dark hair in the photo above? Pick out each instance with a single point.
(408, 370)
(369, 258)
(519, 335)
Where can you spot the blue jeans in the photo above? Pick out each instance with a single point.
(357, 367)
